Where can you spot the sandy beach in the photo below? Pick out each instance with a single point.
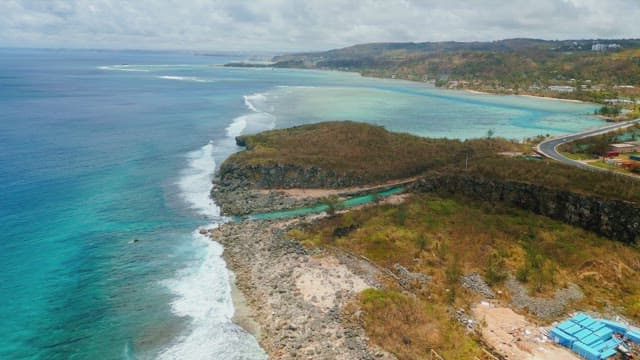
(527, 96)
(554, 99)
(477, 92)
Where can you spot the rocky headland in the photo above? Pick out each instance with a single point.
(306, 301)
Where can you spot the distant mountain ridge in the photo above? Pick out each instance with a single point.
(580, 69)
(516, 44)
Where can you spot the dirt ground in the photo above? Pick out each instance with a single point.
(514, 337)
(320, 279)
(321, 193)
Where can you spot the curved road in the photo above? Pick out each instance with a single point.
(549, 147)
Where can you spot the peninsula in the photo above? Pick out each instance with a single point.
(485, 247)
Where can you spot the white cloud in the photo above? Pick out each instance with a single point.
(303, 24)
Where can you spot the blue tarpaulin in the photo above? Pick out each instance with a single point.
(593, 339)
(633, 335)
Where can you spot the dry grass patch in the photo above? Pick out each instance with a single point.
(410, 327)
(444, 238)
(365, 151)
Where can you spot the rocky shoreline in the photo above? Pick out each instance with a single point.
(296, 299)
(241, 201)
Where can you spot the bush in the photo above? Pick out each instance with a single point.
(333, 204)
(408, 326)
(608, 111)
(537, 270)
(495, 271)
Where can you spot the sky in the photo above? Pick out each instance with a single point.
(300, 25)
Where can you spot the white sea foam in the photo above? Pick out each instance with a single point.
(148, 67)
(258, 103)
(185, 78)
(170, 65)
(237, 126)
(249, 101)
(202, 289)
(259, 122)
(121, 68)
(204, 295)
(195, 182)
(295, 87)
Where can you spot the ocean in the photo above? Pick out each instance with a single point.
(106, 163)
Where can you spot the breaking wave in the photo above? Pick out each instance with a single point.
(185, 78)
(202, 289)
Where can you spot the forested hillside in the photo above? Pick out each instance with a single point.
(594, 70)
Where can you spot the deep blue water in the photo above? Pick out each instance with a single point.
(106, 160)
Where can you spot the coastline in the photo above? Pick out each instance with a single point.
(294, 300)
(555, 99)
(242, 314)
(477, 92)
(471, 91)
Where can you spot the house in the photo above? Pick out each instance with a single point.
(618, 101)
(605, 47)
(562, 88)
(625, 147)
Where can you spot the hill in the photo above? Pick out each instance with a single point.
(592, 70)
(529, 234)
(344, 153)
(341, 154)
(338, 155)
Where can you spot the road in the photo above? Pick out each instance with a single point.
(549, 147)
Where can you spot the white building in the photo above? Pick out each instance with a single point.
(604, 47)
(562, 88)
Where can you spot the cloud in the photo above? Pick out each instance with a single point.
(281, 25)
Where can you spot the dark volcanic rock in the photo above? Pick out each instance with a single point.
(285, 176)
(617, 220)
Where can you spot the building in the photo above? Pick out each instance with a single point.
(618, 101)
(605, 47)
(625, 147)
(562, 88)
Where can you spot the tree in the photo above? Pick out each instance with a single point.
(333, 204)
(600, 146)
(537, 270)
(490, 133)
(495, 270)
(608, 111)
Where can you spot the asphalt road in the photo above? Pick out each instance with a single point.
(548, 147)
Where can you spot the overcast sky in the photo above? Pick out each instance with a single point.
(289, 25)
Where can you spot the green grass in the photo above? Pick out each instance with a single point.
(447, 237)
(577, 156)
(602, 165)
(556, 176)
(410, 327)
(434, 235)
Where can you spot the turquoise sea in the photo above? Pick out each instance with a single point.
(106, 161)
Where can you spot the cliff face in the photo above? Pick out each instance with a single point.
(614, 219)
(618, 220)
(284, 176)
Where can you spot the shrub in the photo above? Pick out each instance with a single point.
(495, 271)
